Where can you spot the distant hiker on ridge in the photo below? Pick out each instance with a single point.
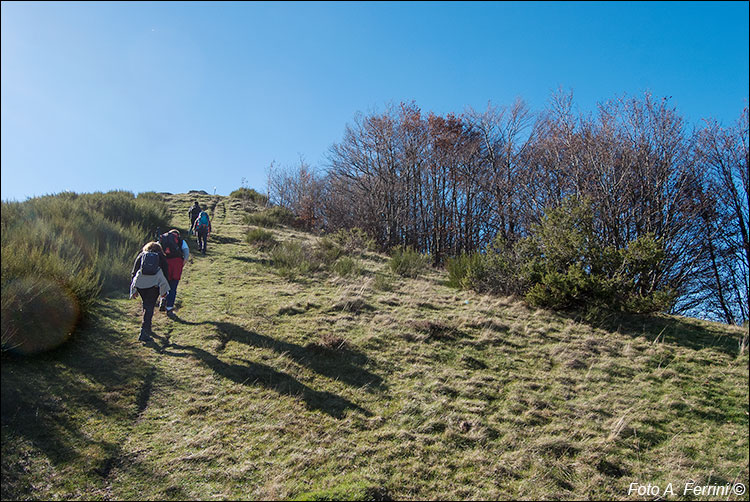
(149, 281)
(202, 228)
(177, 253)
(193, 213)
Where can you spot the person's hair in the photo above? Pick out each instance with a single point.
(175, 231)
(152, 247)
(195, 203)
(203, 207)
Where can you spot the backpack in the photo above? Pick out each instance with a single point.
(203, 220)
(170, 243)
(150, 263)
(194, 211)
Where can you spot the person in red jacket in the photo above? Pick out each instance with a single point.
(177, 253)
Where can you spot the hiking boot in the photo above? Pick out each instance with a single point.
(170, 312)
(144, 337)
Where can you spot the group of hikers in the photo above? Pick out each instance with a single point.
(158, 268)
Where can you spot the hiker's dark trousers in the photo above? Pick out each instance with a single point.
(202, 237)
(149, 297)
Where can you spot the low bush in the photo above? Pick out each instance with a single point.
(291, 259)
(272, 218)
(251, 195)
(568, 267)
(151, 195)
(458, 269)
(499, 270)
(564, 265)
(327, 251)
(262, 239)
(353, 240)
(60, 252)
(407, 262)
(383, 282)
(346, 266)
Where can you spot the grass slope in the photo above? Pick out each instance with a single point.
(366, 387)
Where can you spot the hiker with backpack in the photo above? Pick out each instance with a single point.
(202, 227)
(193, 213)
(177, 252)
(150, 283)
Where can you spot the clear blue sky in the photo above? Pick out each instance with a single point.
(178, 96)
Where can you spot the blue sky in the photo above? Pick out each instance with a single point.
(180, 96)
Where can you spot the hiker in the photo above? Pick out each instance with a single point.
(177, 253)
(202, 228)
(193, 213)
(150, 283)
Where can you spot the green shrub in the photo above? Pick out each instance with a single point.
(572, 289)
(564, 265)
(496, 270)
(292, 259)
(346, 266)
(251, 195)
(64, 250)
(568, 267)
(407, 262)
(354, 240)
(383, 282)
(458, 268)
(262, 239)
(327, 251)
(151, 195)
(271, 218)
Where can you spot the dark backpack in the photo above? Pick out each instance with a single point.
(170, 243)
(150, 263)
(194, 212)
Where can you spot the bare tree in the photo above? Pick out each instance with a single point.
(449, 184)
(723, 152)
(299, 189)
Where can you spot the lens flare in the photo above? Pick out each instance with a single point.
(38, 314)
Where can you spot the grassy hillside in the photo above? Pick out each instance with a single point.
(366, 386)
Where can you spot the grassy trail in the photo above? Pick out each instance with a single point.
(333, 387)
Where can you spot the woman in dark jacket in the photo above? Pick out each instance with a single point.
(149, 286)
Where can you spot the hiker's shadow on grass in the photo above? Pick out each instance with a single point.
(250, 259)
(343, 364)
(252, 373)
(222, 239)
(44, 396)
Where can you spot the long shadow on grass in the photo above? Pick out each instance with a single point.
(252, 373)
(690, 333)
(344, 364)
(249, 259)
(47, 398)
(221, 239)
